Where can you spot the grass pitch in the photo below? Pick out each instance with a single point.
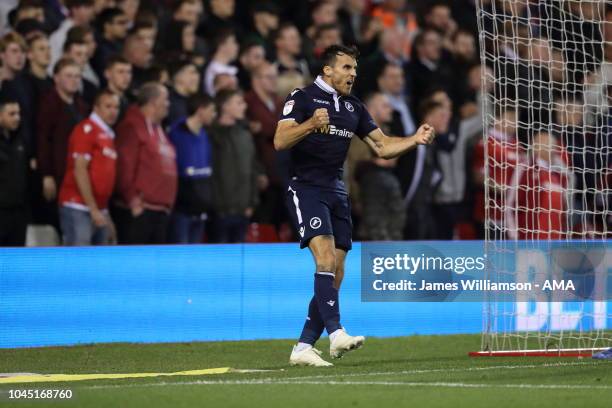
(417, 371)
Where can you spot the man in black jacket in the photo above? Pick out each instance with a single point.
(13, 175)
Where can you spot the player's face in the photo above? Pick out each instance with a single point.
(343, 73)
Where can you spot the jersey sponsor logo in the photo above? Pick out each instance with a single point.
(288, 107)
(333, 130)
(315, 223)
(349, 107)
(320, 101)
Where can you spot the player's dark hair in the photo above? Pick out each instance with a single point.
(198, 101)
(328, 58)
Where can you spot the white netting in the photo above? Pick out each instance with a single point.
(547, 153)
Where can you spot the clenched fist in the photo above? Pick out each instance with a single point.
(320, 118)
(424, 135)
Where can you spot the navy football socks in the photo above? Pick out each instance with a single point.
(314, 326)
(327, 300)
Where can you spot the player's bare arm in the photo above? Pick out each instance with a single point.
(289, 132)
(388, 147)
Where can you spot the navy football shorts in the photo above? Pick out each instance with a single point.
(320, 212)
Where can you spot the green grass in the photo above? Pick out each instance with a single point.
(417, 371)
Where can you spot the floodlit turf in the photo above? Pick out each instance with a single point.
(417, 371)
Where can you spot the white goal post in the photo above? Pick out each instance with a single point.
(548, 158)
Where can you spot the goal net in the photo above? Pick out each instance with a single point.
(547, 66)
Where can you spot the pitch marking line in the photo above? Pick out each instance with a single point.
(312, 379)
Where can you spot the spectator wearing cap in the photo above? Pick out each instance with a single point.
(194, 166)
(146, 169)
(90, 175)
(235, 169)
(185, 80)
(14, 158)
(263, 111)
(225, 52)
(118, 76)
(80, 13)
(112, 25)
(252, 56)
(60, 109)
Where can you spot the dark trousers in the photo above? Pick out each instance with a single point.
(230, 228)
(150, 227)
(186, 229)
(13, 226)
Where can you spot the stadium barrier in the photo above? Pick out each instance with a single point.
(66, 296)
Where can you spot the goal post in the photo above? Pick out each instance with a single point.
(547, 146)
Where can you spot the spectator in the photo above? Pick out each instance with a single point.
(220, 18)
(263, 111)
(118, 76)
(130, 9)
(12, 81)
(59, 112)
(325, 36)
(234, 169)
(352, 19)
(428, 68)
(112, 28)
(419, 178)
(39, 83)
(76, 50)
(379, 194)
(322, 13)
(194, 162)
(80, 13)
(138, 54)
(391, 84)
(14, 157)
(288, 45)
(185, 80)
(179, 40)
(90, 175)
(396, 14)
(453, 138)
(146, 170)
(391, 49)
(252, 56)
(505, 155)
(539, 200)
(265, 19)
(39, 59)
(187, 11)
(438, 17)
(225, 52)
(27, 10)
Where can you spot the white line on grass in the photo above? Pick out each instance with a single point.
(311, 379)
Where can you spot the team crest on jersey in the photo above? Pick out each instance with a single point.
(288, 107)
(349, 107)
(315, 223)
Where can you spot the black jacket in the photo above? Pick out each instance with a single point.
(14, 158)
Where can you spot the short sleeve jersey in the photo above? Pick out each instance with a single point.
(318, 159)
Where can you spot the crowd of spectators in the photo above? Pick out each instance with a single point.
(152, 121)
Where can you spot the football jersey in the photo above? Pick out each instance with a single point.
(318, 159)
(93, 140)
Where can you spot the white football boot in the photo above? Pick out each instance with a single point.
(343, 342)
(307, 357)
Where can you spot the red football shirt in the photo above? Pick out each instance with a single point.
(94, 140)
